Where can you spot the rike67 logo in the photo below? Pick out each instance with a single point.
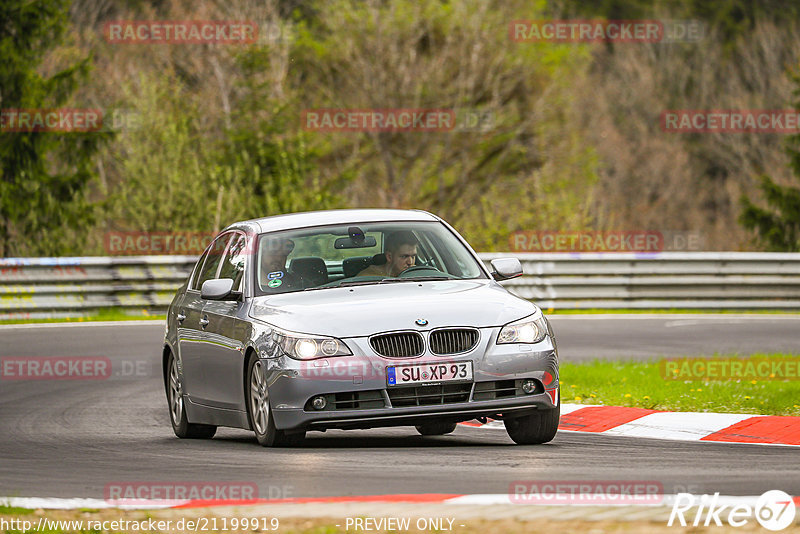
(774, 510)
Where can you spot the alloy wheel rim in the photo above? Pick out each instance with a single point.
(175, 393)
(259, 398)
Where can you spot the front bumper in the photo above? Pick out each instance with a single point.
(410, 416)
(359, 397)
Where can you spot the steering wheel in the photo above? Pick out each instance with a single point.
(415, 268)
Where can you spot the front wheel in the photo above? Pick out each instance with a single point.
(177, 414)
(260, 413)
(538, 427)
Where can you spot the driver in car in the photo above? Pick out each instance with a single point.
(400, 252)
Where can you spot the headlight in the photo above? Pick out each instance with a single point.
(304, 347)
(529, 330)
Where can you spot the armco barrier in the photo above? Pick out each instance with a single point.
(39, 288)
(713, 280)
(57, 287)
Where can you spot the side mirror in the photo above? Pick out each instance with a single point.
(506, 268)
(218, 289)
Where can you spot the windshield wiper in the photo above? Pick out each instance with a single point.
(407, 279)
(357, 283)
(346, 283)
(349, 283)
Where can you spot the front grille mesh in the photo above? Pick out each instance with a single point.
(398, 344)
(453, 340)
(427, 395)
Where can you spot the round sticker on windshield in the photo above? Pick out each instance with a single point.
(275, 282)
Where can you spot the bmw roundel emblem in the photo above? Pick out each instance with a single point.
(421, 322)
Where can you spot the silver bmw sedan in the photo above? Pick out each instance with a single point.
(355, 319)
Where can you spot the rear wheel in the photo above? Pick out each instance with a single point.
(436, 429)
(538, 427)
(260, 413)
(177, 414)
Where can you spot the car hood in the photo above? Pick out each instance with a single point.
(365, 310)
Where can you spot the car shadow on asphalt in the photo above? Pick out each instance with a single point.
(377, 439)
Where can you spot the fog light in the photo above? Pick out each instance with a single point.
(528, 386)
(319, 403)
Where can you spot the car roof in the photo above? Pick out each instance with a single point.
(306, 219)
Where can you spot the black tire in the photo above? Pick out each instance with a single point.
(177, 412)
(435, 429)
(264, 427)
(538, 427)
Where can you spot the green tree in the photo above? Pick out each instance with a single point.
(487, 179)
(268, 157)
(43, 204)
(778, 227)
(732, 18)
(167, 175)
(178, 174)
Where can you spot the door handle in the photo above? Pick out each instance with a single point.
(180, 317)
(204, 322)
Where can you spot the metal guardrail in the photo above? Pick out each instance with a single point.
(62, 287)
(700, 280)
(39, 288)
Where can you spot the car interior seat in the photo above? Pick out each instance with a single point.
(352, 266)
(311, 270)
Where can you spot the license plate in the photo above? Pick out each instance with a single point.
(429, 373)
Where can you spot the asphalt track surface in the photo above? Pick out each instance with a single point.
(647, 336)
(72, 438)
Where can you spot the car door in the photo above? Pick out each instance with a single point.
(222, 357)
(194, 341)
(187, 319)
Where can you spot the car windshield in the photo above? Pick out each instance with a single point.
(360, 254)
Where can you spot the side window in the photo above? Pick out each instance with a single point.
(196, 273)
(214, 254)
(234, 261)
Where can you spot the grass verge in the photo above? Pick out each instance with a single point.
(105, 314)
(14, 510)
(641, 384)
